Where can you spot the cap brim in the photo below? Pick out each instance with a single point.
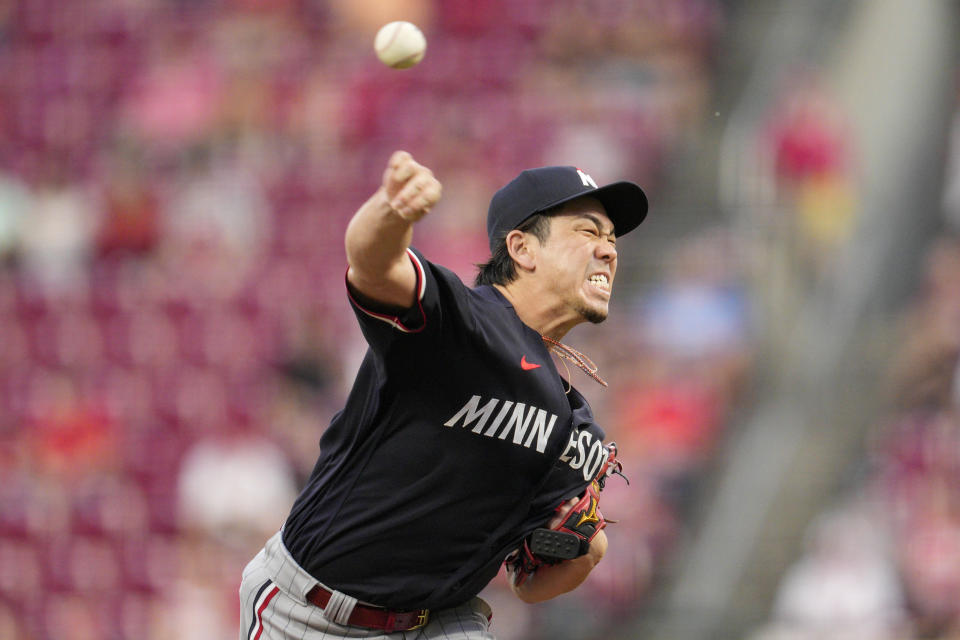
(626, 205)
(625, 202)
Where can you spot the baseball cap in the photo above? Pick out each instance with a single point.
(536, 190)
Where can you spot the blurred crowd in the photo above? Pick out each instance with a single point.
(175, 180)
(883, 561)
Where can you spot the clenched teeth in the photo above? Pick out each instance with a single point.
(600, 281)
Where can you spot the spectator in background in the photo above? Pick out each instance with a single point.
(173, 102)
(809, 143)
(844, 586)
(129, 224)
(234, 487)
(69, 434)
(56, 236)
(219, 206)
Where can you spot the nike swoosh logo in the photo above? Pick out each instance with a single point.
(527, 366)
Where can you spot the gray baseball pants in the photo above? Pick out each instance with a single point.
(273, 607)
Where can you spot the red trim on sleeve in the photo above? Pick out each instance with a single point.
(394, 321)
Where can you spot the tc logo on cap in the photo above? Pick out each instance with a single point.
(586, 179)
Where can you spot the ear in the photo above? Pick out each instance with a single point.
(522, 248)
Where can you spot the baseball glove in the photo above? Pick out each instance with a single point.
(570, 536)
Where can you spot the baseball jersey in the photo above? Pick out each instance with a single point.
(458, 438)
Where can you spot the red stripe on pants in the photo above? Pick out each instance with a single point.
(263, 606)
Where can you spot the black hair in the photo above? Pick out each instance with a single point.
(500, 268)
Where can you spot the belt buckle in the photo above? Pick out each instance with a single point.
(423, 615)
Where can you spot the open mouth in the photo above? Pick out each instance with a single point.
(600, 281)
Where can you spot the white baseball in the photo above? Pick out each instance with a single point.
(400, 44)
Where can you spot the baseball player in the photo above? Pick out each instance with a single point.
(460, 446)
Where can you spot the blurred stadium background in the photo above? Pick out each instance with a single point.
(175, 179)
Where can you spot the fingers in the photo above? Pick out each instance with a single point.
(400, 168)
(417, 197)
(411, 188)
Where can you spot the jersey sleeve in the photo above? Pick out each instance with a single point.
(420, 323)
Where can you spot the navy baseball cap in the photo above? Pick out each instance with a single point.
(536, 190)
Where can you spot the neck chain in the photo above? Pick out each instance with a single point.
(578, 359)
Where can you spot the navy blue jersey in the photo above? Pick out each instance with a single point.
(458, 439)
